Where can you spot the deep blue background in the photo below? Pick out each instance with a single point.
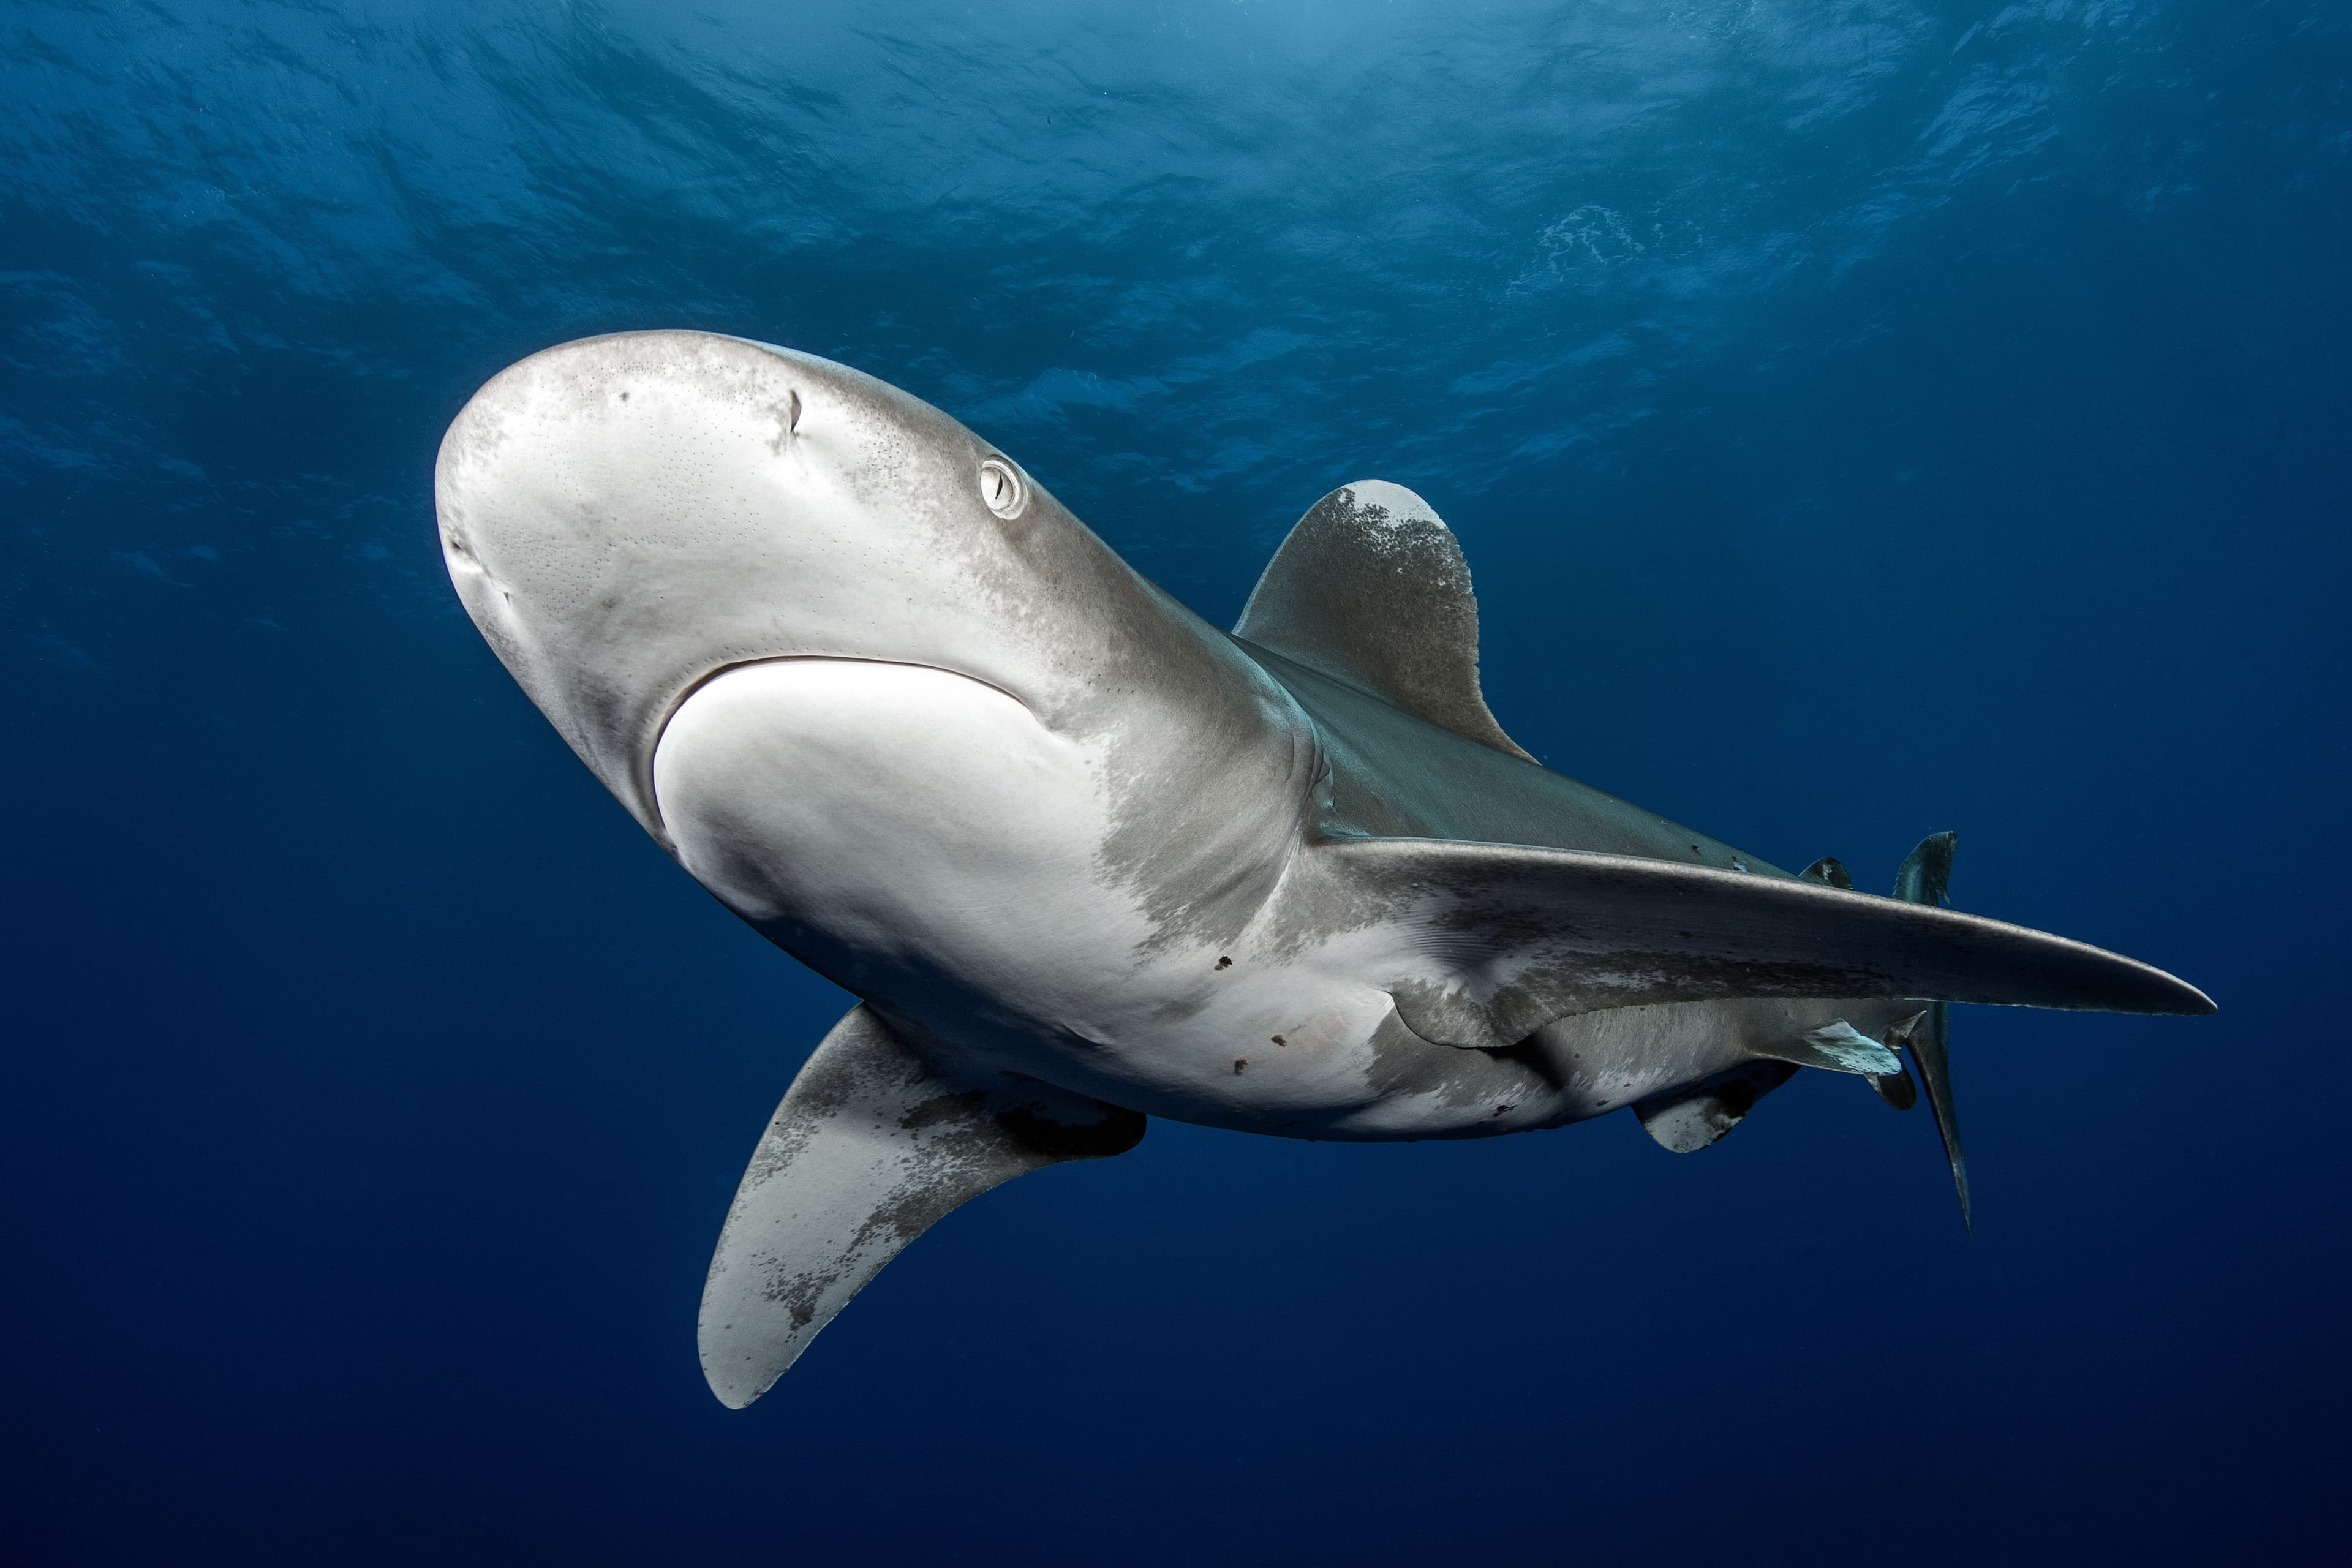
(1864, 419)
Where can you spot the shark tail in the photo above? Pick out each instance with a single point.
(1925, 879)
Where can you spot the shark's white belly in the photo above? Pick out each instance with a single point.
(922, 839)
(909, 823)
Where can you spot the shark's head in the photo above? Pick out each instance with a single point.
(626, 517)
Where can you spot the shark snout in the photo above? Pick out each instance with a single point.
(624, 517)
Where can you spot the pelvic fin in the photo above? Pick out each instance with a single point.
(1685, 1120)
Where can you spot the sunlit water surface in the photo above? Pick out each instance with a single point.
(1863, 419)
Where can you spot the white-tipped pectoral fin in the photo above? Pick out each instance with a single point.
(874, 1143)
(1492, 942)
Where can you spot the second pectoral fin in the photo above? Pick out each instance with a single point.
(874, 1143)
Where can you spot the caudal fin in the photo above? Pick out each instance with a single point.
(1926, 879)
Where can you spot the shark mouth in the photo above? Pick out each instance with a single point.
(643, 767)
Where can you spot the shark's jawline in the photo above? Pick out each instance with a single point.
(652, 795)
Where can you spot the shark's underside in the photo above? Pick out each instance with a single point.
(1085, 859)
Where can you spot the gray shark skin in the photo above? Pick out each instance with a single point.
(1087, 859)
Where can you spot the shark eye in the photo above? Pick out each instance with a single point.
(1002, 488)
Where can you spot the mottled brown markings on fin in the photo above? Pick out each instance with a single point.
(946, 1108)
(1371, 588)
(1239, 1063)
(1280, 1041)
(899, 1138)
(1224, 964)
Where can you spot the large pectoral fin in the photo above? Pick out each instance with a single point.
(1490, 942)
(873, 1143)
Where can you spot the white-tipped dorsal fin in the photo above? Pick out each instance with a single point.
(1370, 588)
(873, 1143)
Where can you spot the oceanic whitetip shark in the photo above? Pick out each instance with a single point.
(1087, 859)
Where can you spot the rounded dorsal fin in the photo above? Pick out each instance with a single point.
(1370, 588)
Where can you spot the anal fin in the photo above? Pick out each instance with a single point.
(874, 1142)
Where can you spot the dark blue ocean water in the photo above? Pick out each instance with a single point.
(1864, 419)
